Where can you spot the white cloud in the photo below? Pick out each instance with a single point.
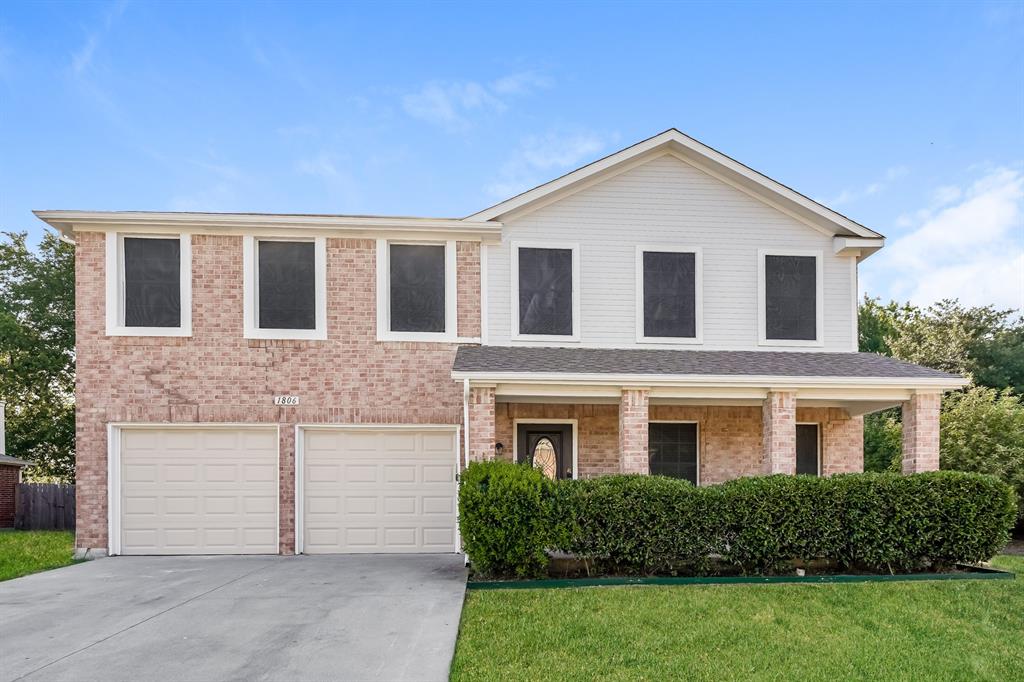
(538, 157)
(450, 104)
(852, 194)
(969, 245)
(81, 59)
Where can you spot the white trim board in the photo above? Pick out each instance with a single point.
(114, 282)
(575, 438)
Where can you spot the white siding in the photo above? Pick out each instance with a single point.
(668, 202)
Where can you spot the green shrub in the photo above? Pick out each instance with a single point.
(881, 522)
(509, 514)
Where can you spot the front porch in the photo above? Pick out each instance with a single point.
(742, 425)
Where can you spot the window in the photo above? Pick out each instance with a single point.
(416, 291)
(668, 294)
(807, 449)
(149, 285)
(672, 450)
(285, 288)
(545, 292)
(790, 298)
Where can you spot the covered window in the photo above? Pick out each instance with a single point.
(546, 291)
(672, 450)
(417, 288)
(807, 449)
(791, 291)
(287, 285)
(149, 285)
(669, 294)
(285, 288)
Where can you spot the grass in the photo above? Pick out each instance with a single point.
(30, 551)
(950, 630)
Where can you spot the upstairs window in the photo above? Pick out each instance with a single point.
(546, 292)
(148, 285)
(416, 291)
(791, 299)
(285, 288)
(669, 294)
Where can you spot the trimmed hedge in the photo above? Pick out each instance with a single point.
(640, 525)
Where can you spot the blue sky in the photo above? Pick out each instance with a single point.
(909, 118)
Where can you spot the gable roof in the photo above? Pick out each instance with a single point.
(699, 155)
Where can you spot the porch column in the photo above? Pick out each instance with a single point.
(481, 423)
(921, 433)
(633, 431)
(778, 435)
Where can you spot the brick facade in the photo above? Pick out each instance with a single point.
(921, 433)
(779, 433)
(481, 423)
(218, 376)
(633, 406)
(9, 477)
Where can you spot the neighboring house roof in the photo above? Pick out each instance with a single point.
(509, 363)
(7, 460)
(697, 154)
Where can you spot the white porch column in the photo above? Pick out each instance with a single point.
(633, 415)
(921, 433)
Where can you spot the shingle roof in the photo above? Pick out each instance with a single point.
(7, 460)
(643, 361)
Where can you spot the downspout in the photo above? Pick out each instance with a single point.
(465, 419)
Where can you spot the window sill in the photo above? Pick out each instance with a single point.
(149, 331)
(791, 342)
(287, 334)
(550, 338)
(671, 340)
(425, 337)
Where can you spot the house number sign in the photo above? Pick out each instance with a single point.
(286, 400)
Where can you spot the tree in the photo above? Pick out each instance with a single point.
(876, 324)
(982, 430)
(37, 353)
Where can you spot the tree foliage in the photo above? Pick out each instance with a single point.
(37, 353)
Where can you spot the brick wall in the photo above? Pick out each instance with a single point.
(779, 433)
(921, 433)
(633, 456)
(730, 437)
(8, 484)
(481, 423)
(218, 376)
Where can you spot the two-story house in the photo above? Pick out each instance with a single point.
(254, 383)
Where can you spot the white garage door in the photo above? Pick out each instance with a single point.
(199, 490)
(379, 490)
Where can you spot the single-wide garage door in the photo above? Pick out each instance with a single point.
(379, 490)
(190, 490)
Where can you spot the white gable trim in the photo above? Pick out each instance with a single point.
(701, 156)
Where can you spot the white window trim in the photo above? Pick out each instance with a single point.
(115, 286)
(820, 442)
(819, 285)
(673, 421)
(698, 293)
(451, 301)
(563, 422)
(574, 247)
(250, 287)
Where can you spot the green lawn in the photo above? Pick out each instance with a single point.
(951, 630)
(29, 551)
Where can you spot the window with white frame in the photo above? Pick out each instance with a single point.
(673, 450)
(149, 284)
(668, 294)
(545, 294)
(791, 303)
(808, 449)
(416, 291)
(285, 288)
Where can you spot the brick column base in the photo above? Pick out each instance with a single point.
(921, 433)
(778, 434)
(481, 423)
(633, 411)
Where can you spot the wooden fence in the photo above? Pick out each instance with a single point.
(44, 506)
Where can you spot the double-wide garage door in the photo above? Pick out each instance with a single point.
(378, 490)
(214, 490)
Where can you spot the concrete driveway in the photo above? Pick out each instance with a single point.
(370, 617)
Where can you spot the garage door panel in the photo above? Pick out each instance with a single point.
(392, 485)
(199, 491)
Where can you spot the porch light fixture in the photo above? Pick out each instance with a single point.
(498, 449)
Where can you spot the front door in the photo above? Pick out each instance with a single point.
(547, 447)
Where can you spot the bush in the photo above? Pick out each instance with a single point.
(639, 525)
(509, 514)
